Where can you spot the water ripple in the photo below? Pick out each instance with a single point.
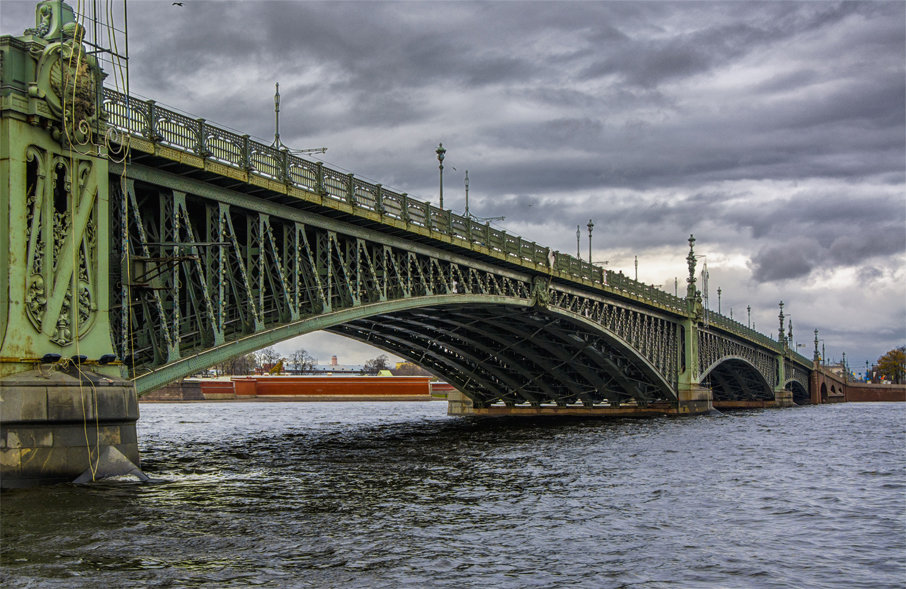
(398, 494)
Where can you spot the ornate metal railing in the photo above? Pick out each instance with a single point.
(146, 120)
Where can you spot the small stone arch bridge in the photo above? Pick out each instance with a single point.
(141, 246)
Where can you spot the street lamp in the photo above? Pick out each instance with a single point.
(636, 268)
(718, 300)
(440, 151)
(467, 194)
(591, 226)
(749, 314)
(578, 247)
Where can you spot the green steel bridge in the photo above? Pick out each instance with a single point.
(139, 246)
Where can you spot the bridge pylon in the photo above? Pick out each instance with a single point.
(65, 411)
(692, 397)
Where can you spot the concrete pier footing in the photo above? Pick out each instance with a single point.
(697, 401)
(56, 426)
(783, 398)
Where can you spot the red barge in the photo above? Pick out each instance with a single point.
(320, 388)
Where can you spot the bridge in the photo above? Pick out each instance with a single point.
(139, 246)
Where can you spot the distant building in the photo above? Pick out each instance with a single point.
(333, 368)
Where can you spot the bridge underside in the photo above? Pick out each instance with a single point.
(800, 393)
(514, 355)
(737, 381)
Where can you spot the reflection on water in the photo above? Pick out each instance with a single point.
(399, 494)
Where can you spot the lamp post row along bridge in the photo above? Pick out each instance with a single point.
(140, 246)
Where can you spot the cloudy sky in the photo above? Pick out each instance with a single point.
(773, 131)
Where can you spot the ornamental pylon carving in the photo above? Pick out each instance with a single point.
(67, 76)
(61, 238)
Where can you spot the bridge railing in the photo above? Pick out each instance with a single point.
(146, 120)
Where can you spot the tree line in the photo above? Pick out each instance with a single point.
(267, 359)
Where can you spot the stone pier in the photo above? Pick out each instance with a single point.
(57, 425)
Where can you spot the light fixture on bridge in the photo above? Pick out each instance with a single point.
(50, 358)
(467, 195)
(591, 226)
(719, 291)
(440, 151)
(79, 359)
(278, 144)
(107, 359)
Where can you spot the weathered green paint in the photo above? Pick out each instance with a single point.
(55, 201)
(58, 419)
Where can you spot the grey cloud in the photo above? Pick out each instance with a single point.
(782, 262)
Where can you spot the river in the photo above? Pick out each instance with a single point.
(400, 495)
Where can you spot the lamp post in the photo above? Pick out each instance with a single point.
(578, 247)
(718, 300)
(780, 333)
(591, 226)
(440, 151)
(749, 315)
(467, 194)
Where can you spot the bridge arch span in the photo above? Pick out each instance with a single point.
(516, 353)
(800, 393)
(494, 348)
(734, 378)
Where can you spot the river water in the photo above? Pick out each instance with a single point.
(400, 495)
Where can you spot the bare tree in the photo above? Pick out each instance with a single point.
(302, 360)
(238, 365)
(375, 365)
(267, 358)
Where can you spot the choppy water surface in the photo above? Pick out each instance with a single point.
(399, 494)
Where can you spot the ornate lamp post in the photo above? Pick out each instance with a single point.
(467, 194)
(578, 247)
(440, 151)
(780, 336)
(718, 300)
(690, 261)
(749, 313)
(591, 226)
(636, 268)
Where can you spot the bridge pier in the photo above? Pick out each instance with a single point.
(459, 404)
(692, 402)
(56, 425)
(64, 407)
(693, 399)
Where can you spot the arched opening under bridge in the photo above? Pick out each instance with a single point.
(735, 380)
(800, 393)
(516, 355)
